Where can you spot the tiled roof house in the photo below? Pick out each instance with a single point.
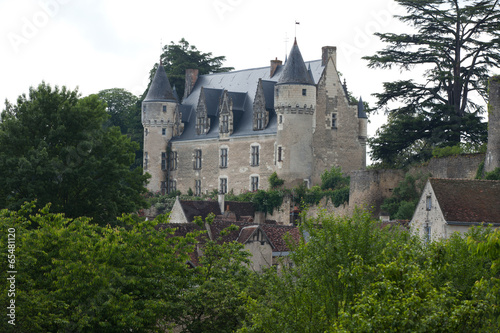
(454, 205)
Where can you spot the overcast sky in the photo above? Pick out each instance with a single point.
(97, 45)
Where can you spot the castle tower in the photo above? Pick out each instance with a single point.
(159, 109)
(493, 151)
(295, 104)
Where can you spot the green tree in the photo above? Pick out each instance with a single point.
(124, 109)
(76, 276)
(457, 43)
(176, 58)
(54, 148)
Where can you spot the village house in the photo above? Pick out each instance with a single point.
(454, 205)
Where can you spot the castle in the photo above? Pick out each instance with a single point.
(233, 130)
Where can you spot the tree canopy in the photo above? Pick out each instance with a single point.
(55, 148)
(176, 58)
(456, 43)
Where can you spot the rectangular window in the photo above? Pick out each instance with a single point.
(304, 92)
(280, 119)
(260, 121)
(223, 158)
(428, 203)
(172, 186)
(197, 159)
(255, 156)
(164, 108)
(146, 160)
(427, 233)
(163, 187)
(197, 187)
(280, 154)
(255, 183)
(223, 186)
(163, 131)
(164, 161)
(173, 161)
(225, 124)
(334, 120)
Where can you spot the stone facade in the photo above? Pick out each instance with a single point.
(233, 130)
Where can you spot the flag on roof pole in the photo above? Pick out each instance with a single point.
(297, 22)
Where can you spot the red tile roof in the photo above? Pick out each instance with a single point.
(463, 200)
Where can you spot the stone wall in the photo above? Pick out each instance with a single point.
(459, 166)
(492, 160)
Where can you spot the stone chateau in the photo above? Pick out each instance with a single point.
(231, 131)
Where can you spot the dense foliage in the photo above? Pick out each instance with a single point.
(456, 43)
(124, 110)
(404, 199)
(54, 148)
(76, 276)
(354, 276)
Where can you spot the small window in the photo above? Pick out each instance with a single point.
(173, 161)
(223, 186)
(304, 92)
(197, 159)
(172, 186)
(259, 125)
(223, 158)
(163, 187)
(164, 108)
(334, 120)
(254, 183)
(280, 154)
(280, 119)
(146, 160)
(197, 187)
(164, 161)
(427, 233)
(163, 131)
(428, 203)
(255, 156)
(225, 124)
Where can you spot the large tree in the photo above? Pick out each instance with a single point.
(55, 148)
(176, 58)
(455, 43)
(124, 109)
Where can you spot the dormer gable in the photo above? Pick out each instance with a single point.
(226, 119)
(202, 119)
(260, 114)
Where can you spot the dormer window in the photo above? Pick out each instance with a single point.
(260, 121)
(225, 124)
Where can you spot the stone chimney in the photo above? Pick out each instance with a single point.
(274, 66)
(493, 148)
(327, 52)
(221, 199)
(259, 217)
(191, 78)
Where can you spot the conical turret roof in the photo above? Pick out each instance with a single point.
(295, 70)
(160, 89)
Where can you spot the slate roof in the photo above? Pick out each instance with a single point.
(160, 89)
(465, 201)
(242, 87)
(199, 208)
(240, 208)
(295, 71)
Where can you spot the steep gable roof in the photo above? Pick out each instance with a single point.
(463, 200)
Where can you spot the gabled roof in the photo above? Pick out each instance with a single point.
(240, 208)
(199, 208)
(468, 201)
(278, 233)
(160, 89)
(295, 71)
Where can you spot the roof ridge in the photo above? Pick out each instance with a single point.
(467, 179)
